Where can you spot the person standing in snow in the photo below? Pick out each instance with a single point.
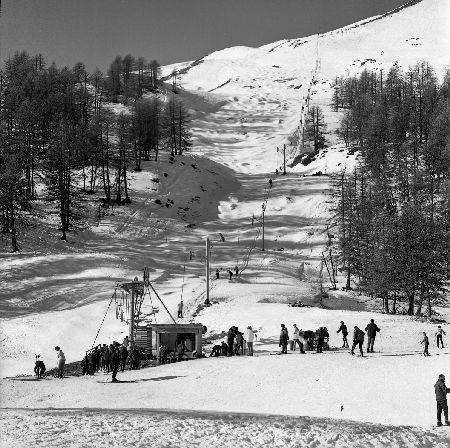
(180, 309)
(321, 335)
(61, 362)
(224, 348)
(236, 271)
(115, 361)
(439, 334)
(230, 273)
(107, 359)
(296, 338)
(372, 329)
(441, 391)
(425, 343)
(239, 342)
(230, 339)
(250, 337)
(284, 338)
(343, 329)
(358, 339)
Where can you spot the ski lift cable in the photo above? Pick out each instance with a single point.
(104, 317)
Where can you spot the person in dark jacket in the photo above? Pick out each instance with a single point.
(180, 351)
(441, 390)
(123, 352)
(230, 339)
(372, 330)
(284, 337)
(343, 329)
(224, 348)
(114, 362)
(426, 343)
(216, 351)
(239, 343)
(322, 333)
(358, 339)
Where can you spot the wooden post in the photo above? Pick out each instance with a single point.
(207, 271)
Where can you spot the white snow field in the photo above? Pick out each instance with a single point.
(245, 102)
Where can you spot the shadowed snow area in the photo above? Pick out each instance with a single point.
(245, 102)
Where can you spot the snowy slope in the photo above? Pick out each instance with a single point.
(245, 102)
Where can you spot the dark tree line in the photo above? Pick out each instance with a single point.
(57, 129)
(393, 211)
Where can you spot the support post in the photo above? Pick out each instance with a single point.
(284, 158)
(133, 291)
(207, 271)
(263, 211)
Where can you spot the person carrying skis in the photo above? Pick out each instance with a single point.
(441, 391)
(372, 329)
(343, 329)
(439, 333)
(284, 337)
(61, 362)
(426, 343)
(358, 339)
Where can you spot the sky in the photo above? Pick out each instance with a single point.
(95, 31)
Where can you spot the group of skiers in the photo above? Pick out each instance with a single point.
(238, 343)
(111, 358)
(359, 336)
(440, 333)
(229, 272)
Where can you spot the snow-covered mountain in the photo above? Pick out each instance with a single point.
(259, 92)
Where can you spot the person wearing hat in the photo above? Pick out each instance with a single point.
(61, 362)
(249, 337)
(441, 390)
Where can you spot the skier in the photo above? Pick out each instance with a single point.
(250, 337)
(236, 271)
(321, 335)
(439, 334)
(217, 274)
(372, 329)
(358, 339)
(115, 361)
(61, 362)
(180, 309)
(123, 354)
(441, 391)
(39, 367)
(425, 343)
(230, 339)
(284, 337)
(230, 273)
(344, 330)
